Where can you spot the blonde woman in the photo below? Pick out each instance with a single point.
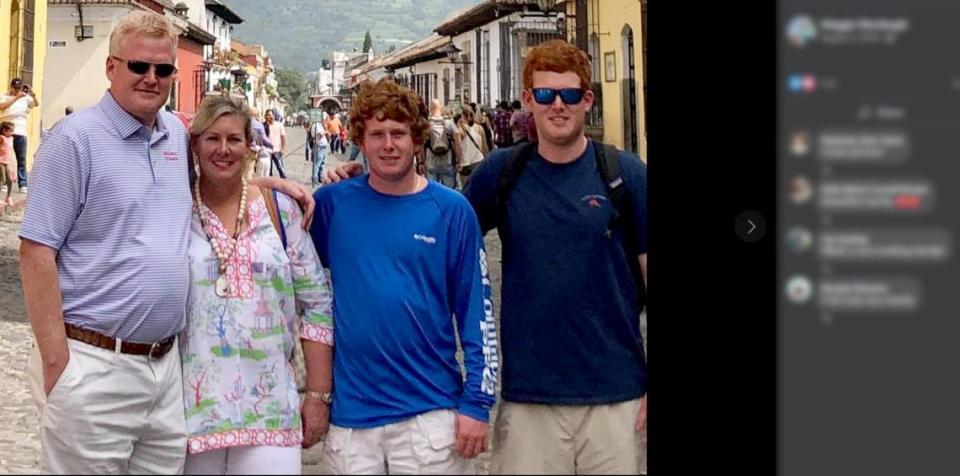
(247, 291)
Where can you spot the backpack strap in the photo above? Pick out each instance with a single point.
(516, 161)
(608, 163)
(273, 209)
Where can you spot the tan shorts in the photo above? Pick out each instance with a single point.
(567, 439)
(423, 444)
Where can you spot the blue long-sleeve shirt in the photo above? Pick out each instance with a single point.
(402, 268)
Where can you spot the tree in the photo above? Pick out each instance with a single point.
(292, 87)
(367, 42)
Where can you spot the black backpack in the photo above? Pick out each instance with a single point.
(608, 162)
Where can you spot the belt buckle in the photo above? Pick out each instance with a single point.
(153, 348)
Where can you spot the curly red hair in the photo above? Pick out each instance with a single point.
(557, 56)
(386, 100)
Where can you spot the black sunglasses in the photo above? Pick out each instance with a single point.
(546, 96)
(162, 70)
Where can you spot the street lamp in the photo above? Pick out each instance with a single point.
(546, 5)
(452, 52)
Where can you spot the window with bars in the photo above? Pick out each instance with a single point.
(485, 67)
(595, 118)
(26, 64)
(14, 58)
(465, 58)
(446, 85)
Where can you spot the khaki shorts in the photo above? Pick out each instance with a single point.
(567, 439)
(423, 444)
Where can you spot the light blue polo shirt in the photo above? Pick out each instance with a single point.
(112, 198)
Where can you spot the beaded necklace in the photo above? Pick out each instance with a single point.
(222, 285)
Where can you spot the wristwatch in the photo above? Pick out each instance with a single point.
(325, 397)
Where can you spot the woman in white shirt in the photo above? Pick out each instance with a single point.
(16, 106)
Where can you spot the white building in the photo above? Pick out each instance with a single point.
(219, 20)
(324, 82)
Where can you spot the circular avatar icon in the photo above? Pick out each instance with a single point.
(799, 289)
(799, 239)
(801, 30)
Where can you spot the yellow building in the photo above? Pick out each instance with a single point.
(612, 32)
(23, 45)
(622, 67)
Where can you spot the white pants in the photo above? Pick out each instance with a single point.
(111, 413)
(423, 444)
(263, 164)
(246, 460)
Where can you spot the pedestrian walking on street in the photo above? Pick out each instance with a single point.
(8, 169)
(401, 404)
(518, 122)
(278, 137)
(106, 289)
(16, 106)
(503, 136)
(473, 143)
(333, 125)
(443, 147)
(308, 142)
(320, 146)
(243, 412)
(262, 145)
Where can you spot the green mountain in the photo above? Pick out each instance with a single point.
(299, 34)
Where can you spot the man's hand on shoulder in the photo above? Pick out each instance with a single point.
(343, 171)
(471, 436)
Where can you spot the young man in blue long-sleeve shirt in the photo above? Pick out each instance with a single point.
(406, 257)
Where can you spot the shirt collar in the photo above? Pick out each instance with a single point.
(124, 122)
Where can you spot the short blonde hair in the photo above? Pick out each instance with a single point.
(142, 22)
(216, 106)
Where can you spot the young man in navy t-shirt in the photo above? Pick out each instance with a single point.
(574, 370)
(406, 257)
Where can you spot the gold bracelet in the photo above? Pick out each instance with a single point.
(325, 397)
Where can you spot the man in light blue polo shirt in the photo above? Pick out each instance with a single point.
(103, 259)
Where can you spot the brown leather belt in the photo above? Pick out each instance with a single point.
(155, 349)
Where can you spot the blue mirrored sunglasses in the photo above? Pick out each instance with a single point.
(546, 96)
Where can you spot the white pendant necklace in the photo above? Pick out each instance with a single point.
(222, 284)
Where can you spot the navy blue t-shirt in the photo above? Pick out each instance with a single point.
(569, 323)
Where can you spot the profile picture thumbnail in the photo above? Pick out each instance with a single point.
(800, 190)
(799, 289)
(801, 30)
(799, 239)
(800, 144)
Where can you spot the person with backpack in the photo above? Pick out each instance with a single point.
(572, 217)
(571, 214)
(443, 148)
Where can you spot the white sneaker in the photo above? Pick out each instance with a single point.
(23, 190)
(3, 189)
